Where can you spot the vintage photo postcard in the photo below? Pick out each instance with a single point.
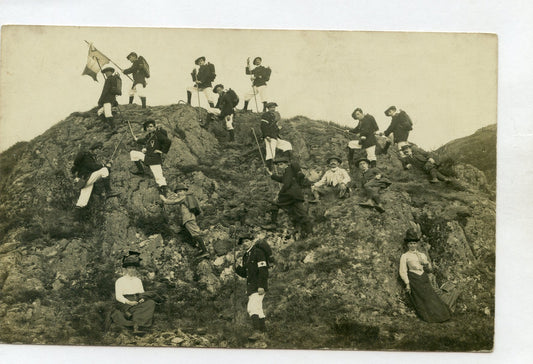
(267, 189)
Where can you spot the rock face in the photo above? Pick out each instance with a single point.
(338, 288)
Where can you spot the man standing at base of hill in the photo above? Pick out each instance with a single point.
(291, 197)
(260, 75)
(255, 263)
(203, 76)
(366, 129)
(400, 127)
(139, 77)
(87, 171)
(270, 130)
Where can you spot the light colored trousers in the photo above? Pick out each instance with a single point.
(138, 89)
(255, 305)
(272, 144)
(208, 92)
(156, 169)
(228, 118)
(85, 192)
(261, 91)
(106, 110)
(371, 153)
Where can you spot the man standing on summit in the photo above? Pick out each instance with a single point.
(260, 75)
(400, 126)
(108, 97)
(203, 76)
(139, 69)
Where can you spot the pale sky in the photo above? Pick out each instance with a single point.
(447, 83)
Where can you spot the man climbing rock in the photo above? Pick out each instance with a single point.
(136, 309)
(155, 143)
(87, 171)
(424, 162)
(189, 209)
(203, 76)
(255, 263)
(225, 108)
(335, 179)
(291, 197)
(366, 129)
(139, 70)
(270, 130)
(260, 75)
(108, 97)
(400, 127)
(373, 182)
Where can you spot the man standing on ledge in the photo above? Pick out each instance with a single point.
(260, 75)
(140, 72)
(203, 76)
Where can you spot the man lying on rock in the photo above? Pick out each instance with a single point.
(423, 161)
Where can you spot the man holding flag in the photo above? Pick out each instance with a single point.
(108, 98)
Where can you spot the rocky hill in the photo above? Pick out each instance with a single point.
(338, 288)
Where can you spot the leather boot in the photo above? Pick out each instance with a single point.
(245, 106)
(211, 104)
(163, 190)
(231, 135)
(373, 164)
(109, 192)
(131, 100)
(110, 122)
(140, 169)
(270, 164)
(189, 97)
(143, 102)
(262, 326)
(264, 106)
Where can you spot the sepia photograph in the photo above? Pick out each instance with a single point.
(266, 189)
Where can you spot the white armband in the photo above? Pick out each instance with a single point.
(262, 264)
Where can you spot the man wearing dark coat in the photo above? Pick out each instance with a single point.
(202, 76)
(108, 97)
(225, 108)
(255, 263)
(373, 182)
(270, 130)
(86, 168)
(366, 129)
(423, 161)
(260, 75)
(139, 78)
(400, 126)
(154, 145)
(291, 197)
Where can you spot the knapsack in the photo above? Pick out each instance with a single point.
(233, 97)
(192, 204)
(116, 85)
(165, 140)
(145, 66)
(407, 123)
(268, 72)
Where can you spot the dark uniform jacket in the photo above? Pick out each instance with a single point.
(369, 178)
(225, 105)
(400, 125)
(85, 163)
(292, 180)
(269, 125)
(261, 74)
(255, 263)
(367, 127)
(206, 75)
(107, 95)
(153, 141)
(419, 159)
(138, 72)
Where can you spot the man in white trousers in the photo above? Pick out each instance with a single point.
(270, 130)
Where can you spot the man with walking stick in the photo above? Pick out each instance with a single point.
(260, 75)
(270, 130)
(203, 76)
(108, 97)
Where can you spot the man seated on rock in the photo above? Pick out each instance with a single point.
(335, 179)
(189, 209)
(136, 306)
(373, 182)
(155, 143)
(291, 196)
(87, 171)
(255, 263)
(423, 161)
(225, 108)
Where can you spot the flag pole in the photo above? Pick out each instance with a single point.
(110, 60)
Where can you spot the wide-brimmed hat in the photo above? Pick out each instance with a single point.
(111, 69)
(271, 104)
(244, 237)
(216, 87)
(132, 54)
(197, 61)
(133, 259)
(279, 160)
(405, 147)
(390, 108)
(147, 122)
(257, 58)
(361, 160)
(181, 187)
(338, 159)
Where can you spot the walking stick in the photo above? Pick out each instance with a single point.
(235, 276)
(253, 90)
(198, 94)
(258, 147)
